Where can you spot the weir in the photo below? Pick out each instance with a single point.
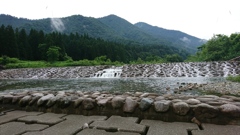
(223, 108)
(185, 69)
(113, 72)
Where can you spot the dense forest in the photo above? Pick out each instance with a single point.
(54, 46)
(218, 48)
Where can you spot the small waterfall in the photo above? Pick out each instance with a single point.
(114, 72)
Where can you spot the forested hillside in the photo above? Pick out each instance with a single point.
(177, 38)
(37, 45)
(219, 48)
(110, 28)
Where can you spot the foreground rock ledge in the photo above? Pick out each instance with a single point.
(169, 107)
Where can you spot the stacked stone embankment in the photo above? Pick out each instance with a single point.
(184, 69)
(169, 107)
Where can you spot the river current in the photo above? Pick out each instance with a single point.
(157, 85)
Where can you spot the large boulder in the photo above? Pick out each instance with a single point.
(25, 100)
(44, 99)
(129, 105)
(117, 102)
(88, 104)
(230, 109)
(162, 106)
(193, 101)
(181, 108)
(145, 103)
(204, 111)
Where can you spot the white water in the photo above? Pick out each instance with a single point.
(114, 72)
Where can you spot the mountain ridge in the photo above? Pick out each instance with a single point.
(111, 28)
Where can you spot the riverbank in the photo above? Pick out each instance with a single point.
(168, 107)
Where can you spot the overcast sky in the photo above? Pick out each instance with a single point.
(200, 18)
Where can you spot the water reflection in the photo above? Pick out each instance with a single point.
(157, 85)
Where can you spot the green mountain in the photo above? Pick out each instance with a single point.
(177, 38)
(111, 28)
(128, 31)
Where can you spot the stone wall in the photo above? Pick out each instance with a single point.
(184, 108)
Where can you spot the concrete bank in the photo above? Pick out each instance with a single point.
(169, 107)
(39, 123)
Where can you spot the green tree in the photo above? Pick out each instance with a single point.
(173, 58)
(11, 48)
(24, 48)
(53, 53)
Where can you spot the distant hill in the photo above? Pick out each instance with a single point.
(111, 28)
(177, 38)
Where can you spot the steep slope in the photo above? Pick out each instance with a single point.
(178, 38)
(128, 31)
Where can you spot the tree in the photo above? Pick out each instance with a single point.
(24, 48)
(174, 58)
(10, 43)
(53, 53)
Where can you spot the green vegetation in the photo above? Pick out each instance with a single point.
(102, 60)
(109, 28)
(16, 63)
(218, 48)
(75, 49)
(234, 78)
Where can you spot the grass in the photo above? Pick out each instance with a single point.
(234, 78)
(16, 63)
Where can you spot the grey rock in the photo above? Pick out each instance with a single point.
(117, 102)
(7, 99)
(51, 101)
(193, 101)
(145, 103)
(34, 99)
(78, 101)
(64, 102)
(159, 98)
(129, 105)
(44, 99)
(162, 106)
(144, 95)
(15, 99)
(176, 100)
(204, 111)
(25, 100)
(38, 95)
(181, 108)
(103, 101)
(88, 104)
(230, 109)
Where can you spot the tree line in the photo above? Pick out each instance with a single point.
(36, 45)
(219, 48)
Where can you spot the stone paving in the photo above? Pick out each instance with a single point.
(16, 122)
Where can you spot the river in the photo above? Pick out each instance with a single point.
(156, 85)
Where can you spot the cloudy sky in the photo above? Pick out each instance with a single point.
(200, 18)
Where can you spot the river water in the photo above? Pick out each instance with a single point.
(157, 85)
